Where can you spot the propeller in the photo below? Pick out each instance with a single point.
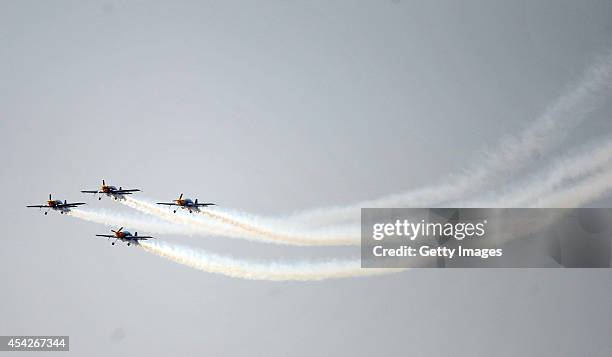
(180, 197)
(117, 231)
(103, 183)
(49, 197)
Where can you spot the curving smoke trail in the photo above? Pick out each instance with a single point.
(200, 226)
(589, 174)
(173, 226)
(550, 128)
(550, 182)
(590, 187)
(555, 180)
(535, 191)
(240, 225)
(580, 193)
(300, 271)
(551, 187)
(144, 222)
(571, 181)
(278, 232)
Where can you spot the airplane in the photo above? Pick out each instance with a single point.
(57, 205)
(111, 191)
(186, 203)
(124, 236)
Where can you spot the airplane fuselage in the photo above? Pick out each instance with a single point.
(184, 202)
(108, 189)
(53, 203)
(111, 191)
(56, 205)
(123, 234)
(188, 204)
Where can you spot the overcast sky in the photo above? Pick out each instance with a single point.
(274, 107)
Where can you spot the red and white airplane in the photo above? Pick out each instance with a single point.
(124, 236)
(57, 205)
(111, 191)
(186, 203)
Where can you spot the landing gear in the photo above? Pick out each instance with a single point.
(128, 244)
(113, 243)
(174, 211)
(99, 198)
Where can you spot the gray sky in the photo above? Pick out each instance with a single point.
(273, 107)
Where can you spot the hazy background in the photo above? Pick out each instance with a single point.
(274, 107)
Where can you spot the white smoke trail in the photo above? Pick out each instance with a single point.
(202, 226)
(550, 128)
(587, 190)
(303, 271)
(590, 188)
(228, 266)
(190, 225)
(576, 166)
(144, 223)
(569, 110)
(278, 231)
(595, 157)
(238, 225)
(589, 161)
(580, 193)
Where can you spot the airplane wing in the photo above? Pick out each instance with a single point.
(141, 238)
(39, 206)
(85, 191)
(167, 203)
(68, 205)
(120, 192)
(204, 204)
(105, 235)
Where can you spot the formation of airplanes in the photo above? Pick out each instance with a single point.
(119, 193)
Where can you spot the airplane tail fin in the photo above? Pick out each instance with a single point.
(65, 202)
(135, 234)
(196, 201)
